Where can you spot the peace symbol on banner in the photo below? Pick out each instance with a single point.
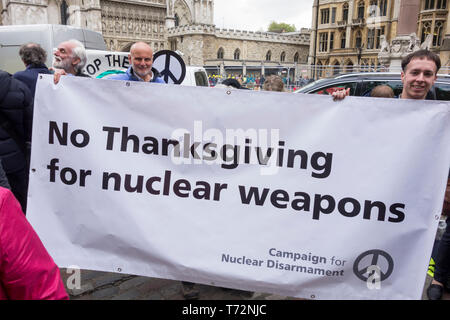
(170, 65)
(361, 269)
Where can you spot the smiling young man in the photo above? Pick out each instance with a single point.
(419, 74)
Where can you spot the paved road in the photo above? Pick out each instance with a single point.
(97, 285)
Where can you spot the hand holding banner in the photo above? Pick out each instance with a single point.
(270, 192)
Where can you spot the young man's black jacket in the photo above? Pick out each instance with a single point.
(16, 117)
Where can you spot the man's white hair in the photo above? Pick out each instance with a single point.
(79, 51)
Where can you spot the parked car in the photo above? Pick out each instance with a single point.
(361, 84)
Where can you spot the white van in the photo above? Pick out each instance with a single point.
(47, 35)
(195, 76)
(100, 62)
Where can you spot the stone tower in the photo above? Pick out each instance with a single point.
(189, 12)
(79, 13)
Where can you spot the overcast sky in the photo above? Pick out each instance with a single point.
(256, 15)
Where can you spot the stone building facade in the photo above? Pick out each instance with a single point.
(348, 35)
(241, 52)
(228, 51)
(80, 13)
(120, 22)
(124, 23)
(433, 19)
(183, 25)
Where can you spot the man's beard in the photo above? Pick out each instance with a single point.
(61, 64)
(142, 74)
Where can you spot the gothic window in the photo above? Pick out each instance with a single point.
(349, 67)
(437, 38)
(296, 57)
(336, 68)
(358, 39)
(345, 12)
(324, 16)
(429, 4)
(64, 13)
(383, 8)
(323, 41)
(343, 34)
(441, 4)
(269, 55)
(283, 56)
(177, 20)
(370, 38)
(237, 54)
(220, 53)
(173, 45)
(373, 8)
(426, 30)
(361, 9)
(379, 33)
(333, 15)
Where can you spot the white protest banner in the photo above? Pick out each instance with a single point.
(270, 192)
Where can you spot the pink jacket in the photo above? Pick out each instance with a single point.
(26, 269)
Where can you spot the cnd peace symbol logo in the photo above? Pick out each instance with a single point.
(363, 265)
(170, 65)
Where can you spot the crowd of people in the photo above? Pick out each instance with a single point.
(271, 83)
(253, 82)
(250, 81)
(26, 269)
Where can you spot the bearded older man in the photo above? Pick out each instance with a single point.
(69, 59)
(141, 60)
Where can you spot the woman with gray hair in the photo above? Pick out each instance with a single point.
(33, 57)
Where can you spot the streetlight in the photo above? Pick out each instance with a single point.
(315, 39)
